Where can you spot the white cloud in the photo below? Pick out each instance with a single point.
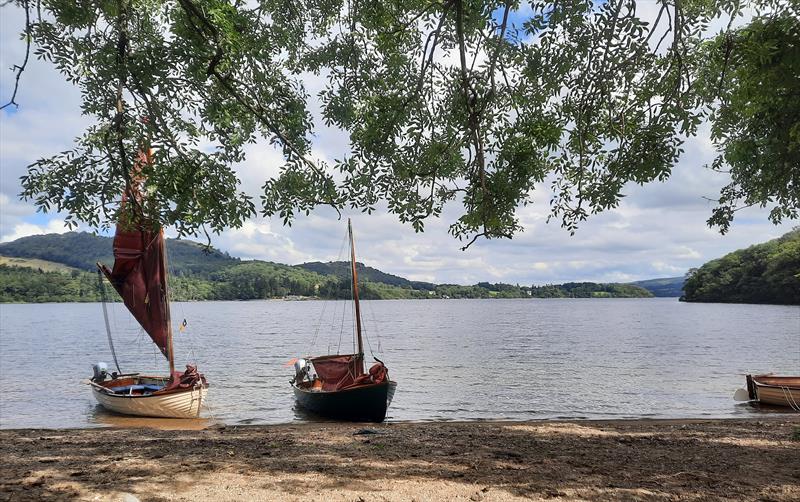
(687, 253)
(55, 226)
(256, 240)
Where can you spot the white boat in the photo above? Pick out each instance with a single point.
(114, 395)
(140, 277)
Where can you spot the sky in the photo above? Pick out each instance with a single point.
(658, 230)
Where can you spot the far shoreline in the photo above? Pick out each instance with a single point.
(379, 300)
(311, 299)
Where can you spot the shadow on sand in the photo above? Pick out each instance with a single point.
(615, 460)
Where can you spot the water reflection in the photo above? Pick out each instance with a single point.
(100, 416)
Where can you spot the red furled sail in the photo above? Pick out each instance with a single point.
(138, 276)
(139, 273)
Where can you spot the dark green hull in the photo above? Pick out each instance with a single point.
(367, 403)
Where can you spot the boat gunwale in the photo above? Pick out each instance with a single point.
(159, 393)
(341, 391)
(779, 382)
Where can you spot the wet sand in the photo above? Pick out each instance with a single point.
(470, 461)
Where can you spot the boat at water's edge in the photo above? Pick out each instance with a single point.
(175, 403)
(365, 403)
(140, 277)
(775, 390)
(337, 385)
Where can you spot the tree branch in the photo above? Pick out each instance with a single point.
(499, 44)
(21, 68)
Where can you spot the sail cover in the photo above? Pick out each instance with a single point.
(337, 372)
(139, 278)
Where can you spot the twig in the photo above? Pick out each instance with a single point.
(19, 69)
(499, 44)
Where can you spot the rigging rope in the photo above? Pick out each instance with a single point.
(375, 326)
(341, 329)
(364, 332)
(105, 317)
(333, 297)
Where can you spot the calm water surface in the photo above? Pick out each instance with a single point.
(453, 359)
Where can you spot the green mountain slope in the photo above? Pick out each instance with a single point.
(342, 269)
(35, 263)
(764, 273)
(82, 250)
(664, 287)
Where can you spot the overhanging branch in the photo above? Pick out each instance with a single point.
(19, 69)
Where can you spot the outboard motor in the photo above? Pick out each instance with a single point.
(100, 371)
(301, 367)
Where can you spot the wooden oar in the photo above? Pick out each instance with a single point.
(89, 382)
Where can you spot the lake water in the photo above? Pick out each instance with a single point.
(452, 359)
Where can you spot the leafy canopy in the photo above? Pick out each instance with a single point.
(474, 102)
(753, 73)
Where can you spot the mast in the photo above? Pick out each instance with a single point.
(166, 302)
(354, 275)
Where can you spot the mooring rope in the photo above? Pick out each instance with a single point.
(787, 394)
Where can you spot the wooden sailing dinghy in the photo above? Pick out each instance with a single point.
(139, 276)
(337, 386)
(775, 390)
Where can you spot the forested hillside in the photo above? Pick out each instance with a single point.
(83, 250)
(590, 290)
(61, 268)
(342, 269)
(27, 285)
(663, 287)
(764, 273)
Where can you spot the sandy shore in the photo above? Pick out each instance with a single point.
(609, 460)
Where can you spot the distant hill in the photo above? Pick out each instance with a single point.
(590, 290)
(764, 273)
(83, 250)
(35, 263)
(61, 268)
(342, 269)
(664, 287)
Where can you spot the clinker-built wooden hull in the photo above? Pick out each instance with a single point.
(179, 403)
(775, 390)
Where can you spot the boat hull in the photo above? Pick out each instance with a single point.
(777, 391)
(181, 403)
(365, 403)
